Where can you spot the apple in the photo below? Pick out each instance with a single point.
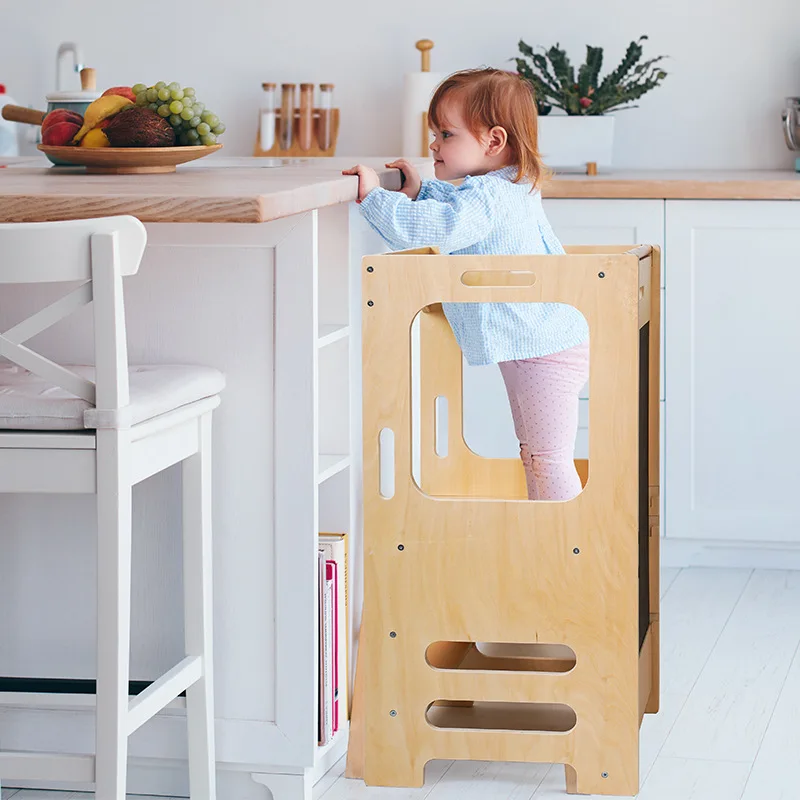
(60, 133)
(121, 91)
(61, 115)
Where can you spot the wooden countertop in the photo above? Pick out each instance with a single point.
(213, 190)
(678, 185)
(237, 190)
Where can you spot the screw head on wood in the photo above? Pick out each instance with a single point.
(603, 774)
(601, 274)
(370, 269)
(370, 303)
(392, 634)
(576, 550)
(401, 547)
(392, 713)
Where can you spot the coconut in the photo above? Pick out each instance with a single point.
(138, 126)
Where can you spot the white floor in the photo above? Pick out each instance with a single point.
(730, 706)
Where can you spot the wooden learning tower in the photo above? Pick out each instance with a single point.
(494, 628)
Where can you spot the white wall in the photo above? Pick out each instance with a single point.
(733, 61)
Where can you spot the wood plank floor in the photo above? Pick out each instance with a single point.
(728, 727)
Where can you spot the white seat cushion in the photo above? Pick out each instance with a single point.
(29, 403)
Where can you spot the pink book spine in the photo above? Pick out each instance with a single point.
(332, 575)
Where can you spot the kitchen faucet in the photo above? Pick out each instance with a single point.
(77, 60)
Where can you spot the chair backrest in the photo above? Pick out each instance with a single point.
(98, 252)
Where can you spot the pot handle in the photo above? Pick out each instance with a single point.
(789, 125)
(21, 114)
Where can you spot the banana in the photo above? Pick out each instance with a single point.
(101, 109)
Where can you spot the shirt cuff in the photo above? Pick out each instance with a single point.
(425, 189)
(378, 199)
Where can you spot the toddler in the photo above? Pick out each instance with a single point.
(485, 131)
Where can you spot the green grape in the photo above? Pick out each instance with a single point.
(163, 95)
(203, 129)
(159, 85)
(189, 92)
(174, 86)
(219, 129)
(195, 121)
(187, 113)
(152, 94)
(192, 136)
(208, 139)
(141, 98)
(175, 120)
(138, 88)
(153, 106)
(199, 108)
(212, 120)
(163, 110)
(176, 94)
(188, 102)
(176, 106)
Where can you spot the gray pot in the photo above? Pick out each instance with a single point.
(72, 101)
(791, 122)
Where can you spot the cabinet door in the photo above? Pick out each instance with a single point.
(488, 428)
(607, 221)
(732, 354)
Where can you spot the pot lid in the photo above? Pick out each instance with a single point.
(72, 97)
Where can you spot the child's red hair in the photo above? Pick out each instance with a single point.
(490, 98)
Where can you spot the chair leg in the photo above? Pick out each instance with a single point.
(113, 612)
(198, 613)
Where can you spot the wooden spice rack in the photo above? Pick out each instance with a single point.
(315, 151)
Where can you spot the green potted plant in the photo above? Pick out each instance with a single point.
(584, 133)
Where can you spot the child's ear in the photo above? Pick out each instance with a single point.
(498, 139)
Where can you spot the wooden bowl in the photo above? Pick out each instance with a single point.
(128, 160)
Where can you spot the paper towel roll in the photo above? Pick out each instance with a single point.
(418, 88)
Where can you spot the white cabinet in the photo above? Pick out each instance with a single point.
(607, 221)
(732, 356)
(488, 427)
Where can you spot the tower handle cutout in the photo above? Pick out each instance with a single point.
(386, 461)
(500, 278)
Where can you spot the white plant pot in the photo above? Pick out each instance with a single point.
(572, 142)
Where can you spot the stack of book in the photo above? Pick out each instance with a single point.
(334, 635)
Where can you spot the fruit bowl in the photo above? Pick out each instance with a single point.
(128, 160)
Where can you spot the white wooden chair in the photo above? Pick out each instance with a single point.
(100, 430)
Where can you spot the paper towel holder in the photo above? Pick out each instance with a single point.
(425, 46)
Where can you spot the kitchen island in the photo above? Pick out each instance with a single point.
(254, 271)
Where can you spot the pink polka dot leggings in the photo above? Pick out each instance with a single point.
(543, 393)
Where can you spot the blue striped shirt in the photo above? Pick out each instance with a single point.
(485, 215)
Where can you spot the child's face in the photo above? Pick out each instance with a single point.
(456, 150)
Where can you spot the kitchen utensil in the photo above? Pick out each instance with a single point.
(305, 129)
(287, 115)
(418, 88)
(305, 132)
(266, 127)
(127, 160)
(73, 101)
(791, 125)
(325, 115)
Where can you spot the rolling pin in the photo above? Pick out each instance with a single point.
(20, 114)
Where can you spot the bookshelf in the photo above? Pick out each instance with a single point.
(318, 485)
